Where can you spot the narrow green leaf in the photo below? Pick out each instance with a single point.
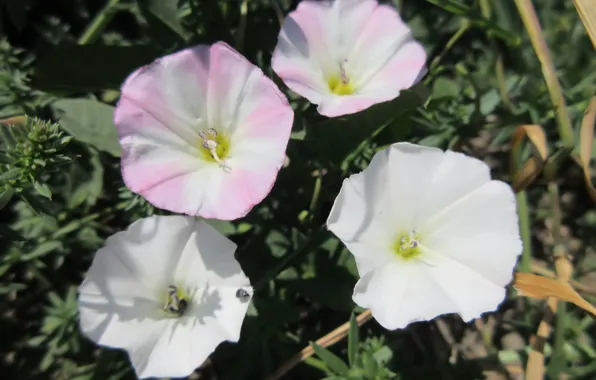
(5, 197)
(42, 250)
(89, 121)
(42, 189)
(333, 361)
(13, 173)
(353, 339)
(11, 288)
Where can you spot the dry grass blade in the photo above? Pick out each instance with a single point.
(329, 339)
(531, 169)
(15, 120)
(536, 286)
(587, 12)
(585, 144)
(532, 24)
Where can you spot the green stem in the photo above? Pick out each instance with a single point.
(315, 194)
(463, 27)
(524, 226)
(558, 359)
(99, 23)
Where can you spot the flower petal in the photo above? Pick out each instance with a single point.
(480, 231)
(136, 262)
(209, 258)
(385, 58)
(170, 350)
(361, 215)
(470, 293)
(411, 167)
(399, 293)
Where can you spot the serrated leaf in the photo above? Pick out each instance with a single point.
(353, 339)
(89, 121)
(334, 363)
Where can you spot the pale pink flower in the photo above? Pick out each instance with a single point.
(346, 55)
(203, 132)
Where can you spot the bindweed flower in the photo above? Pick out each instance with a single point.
(167, 290)
(203, 132)
(431, 234)
(346, 55)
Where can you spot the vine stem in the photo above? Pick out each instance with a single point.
(327, 340)
(99, 23)
(524, 226)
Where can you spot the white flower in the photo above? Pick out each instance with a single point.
(167, 290)
(431, 234)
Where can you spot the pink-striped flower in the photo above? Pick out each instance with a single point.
(203, 132)
(346, 55)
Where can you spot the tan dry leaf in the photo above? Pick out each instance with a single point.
(522, 177)
(535, 286)
(586, 138)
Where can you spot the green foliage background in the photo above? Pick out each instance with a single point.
(61, 193)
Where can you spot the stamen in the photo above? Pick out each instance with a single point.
(211, 145)
(342, 72)
(407, 244)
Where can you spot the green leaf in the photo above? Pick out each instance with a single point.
(42, 250)
(353, 339)
(42, 189)
(13, 173)
(5, 197)
(11, 288)
(89, 121)
(337, 138)
(164, 20)
(89, 68)
(333, 361)
(445, 88)
(88, 181)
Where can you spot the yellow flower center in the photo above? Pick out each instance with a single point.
(338, 87)
(214, 147)
(340, 83)
(407, 245)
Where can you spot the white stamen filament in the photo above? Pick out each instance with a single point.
(342, 72)
(211, 145)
